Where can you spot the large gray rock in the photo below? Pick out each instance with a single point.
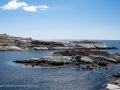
(10, 48)
(86, 59)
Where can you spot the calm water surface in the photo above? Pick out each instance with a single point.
(19, 77)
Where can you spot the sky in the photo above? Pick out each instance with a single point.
(61, 19)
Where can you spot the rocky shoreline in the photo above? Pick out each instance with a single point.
(11, 43)
(86, 54)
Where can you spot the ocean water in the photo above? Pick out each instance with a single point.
(18, 77)
(115, 43)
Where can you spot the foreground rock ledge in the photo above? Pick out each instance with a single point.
(85, 58)
(115, 85)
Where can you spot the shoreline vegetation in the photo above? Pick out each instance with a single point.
(86, 54)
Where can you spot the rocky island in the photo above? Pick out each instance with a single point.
(85, 58)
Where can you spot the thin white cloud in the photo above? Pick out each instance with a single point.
(15, 4)
(43, 7)
(35, 8)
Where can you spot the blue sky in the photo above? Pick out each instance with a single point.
(61, 19)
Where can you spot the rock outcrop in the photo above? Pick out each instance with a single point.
(89, 44)
(82, 58)
(9, 43)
